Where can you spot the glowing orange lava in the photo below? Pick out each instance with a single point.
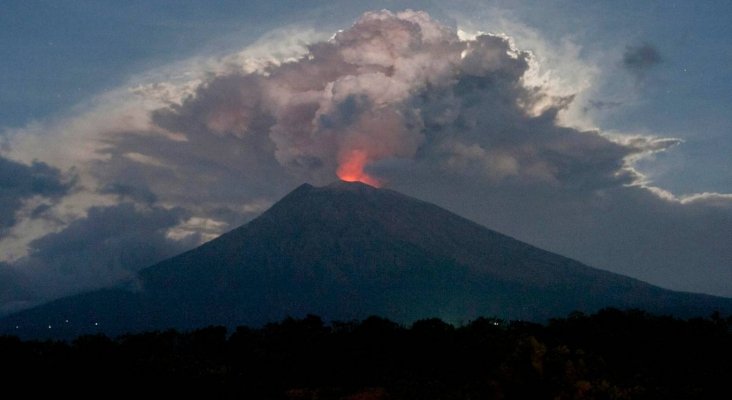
(351, 169)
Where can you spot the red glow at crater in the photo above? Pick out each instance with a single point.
(351, 169)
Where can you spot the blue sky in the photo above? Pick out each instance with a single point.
(59, 53)
(93, 113)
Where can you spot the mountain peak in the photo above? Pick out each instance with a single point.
(346, 185)
(309, 197)
(336, 186)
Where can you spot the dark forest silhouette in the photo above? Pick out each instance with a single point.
(608, 355)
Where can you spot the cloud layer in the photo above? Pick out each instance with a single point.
(397, 100)
(36, 185)
(641, 58)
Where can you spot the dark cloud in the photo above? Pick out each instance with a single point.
(625, 229)
(641, 58)
(41, 210)
(19, 182)
(129, 192)
(107, 246)
(204, 173)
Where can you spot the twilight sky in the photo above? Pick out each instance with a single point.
(131, 131)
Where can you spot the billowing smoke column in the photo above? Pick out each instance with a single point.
(364, 98)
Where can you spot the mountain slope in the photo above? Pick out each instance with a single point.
(347, 251)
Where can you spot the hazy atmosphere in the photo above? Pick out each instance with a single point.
(132, 131)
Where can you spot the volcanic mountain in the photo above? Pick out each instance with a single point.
(347, 251)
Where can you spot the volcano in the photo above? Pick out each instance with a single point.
(347, 251)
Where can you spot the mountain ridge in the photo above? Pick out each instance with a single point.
(346, 251)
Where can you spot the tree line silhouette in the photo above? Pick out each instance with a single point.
(612, 354)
